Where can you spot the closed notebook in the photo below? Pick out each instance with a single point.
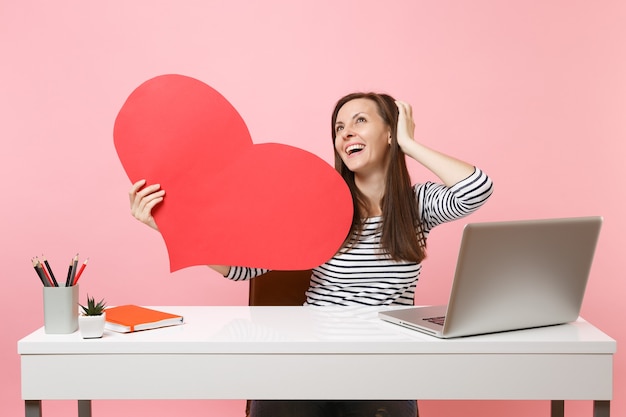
(133, 318)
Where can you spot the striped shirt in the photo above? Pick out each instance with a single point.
(363, 274)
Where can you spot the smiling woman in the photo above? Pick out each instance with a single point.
(379, 263)
(372, 133)
(362, 138)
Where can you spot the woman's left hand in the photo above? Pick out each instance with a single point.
(406, 125)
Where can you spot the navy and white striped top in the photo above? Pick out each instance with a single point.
(363, 275)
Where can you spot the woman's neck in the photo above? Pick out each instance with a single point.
(373, 189)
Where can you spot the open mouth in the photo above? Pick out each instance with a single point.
(354, 149)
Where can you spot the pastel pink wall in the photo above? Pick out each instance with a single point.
(532, 91)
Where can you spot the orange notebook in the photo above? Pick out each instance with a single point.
(133, 318)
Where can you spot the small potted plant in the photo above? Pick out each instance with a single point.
(92, 319)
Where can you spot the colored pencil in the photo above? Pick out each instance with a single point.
(80, 271)
(69, 275)
(74, 268)
(44, 272)
(39, 274)
(54, 281)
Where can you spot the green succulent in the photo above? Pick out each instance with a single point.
(93, 308)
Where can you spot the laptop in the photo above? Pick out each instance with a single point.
(511, 275)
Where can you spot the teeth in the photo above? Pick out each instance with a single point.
(354, 148)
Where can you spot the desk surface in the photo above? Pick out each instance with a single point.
(233, 352)
(311, 330)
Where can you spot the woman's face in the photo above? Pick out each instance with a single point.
(362, 137)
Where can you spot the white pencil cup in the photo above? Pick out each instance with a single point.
(60, 309)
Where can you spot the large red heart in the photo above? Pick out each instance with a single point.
(228, 201)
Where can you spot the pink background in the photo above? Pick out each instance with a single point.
(531, 91)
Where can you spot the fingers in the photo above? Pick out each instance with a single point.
(143, 199)
(405, 117)
(404, 109)
(137, 192)
(132, 193)
(144, 205)
(406, 126)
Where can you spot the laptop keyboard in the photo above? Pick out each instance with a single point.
(436, 320)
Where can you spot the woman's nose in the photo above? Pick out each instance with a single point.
(347, 133)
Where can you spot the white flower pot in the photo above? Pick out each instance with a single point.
(91, 327)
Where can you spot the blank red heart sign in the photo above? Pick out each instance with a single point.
(228, 201)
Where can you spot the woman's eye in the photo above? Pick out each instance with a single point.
(360, 119)
(338, 128)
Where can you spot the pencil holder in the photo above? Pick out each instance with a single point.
(60, 309)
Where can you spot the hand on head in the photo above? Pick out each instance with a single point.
(143, 199)
(406, 125)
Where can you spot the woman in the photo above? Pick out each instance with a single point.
(380, 261)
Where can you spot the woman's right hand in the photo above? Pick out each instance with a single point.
(143, 199)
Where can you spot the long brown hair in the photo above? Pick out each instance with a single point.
(402, 236)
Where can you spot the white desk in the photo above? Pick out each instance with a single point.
(283, 353)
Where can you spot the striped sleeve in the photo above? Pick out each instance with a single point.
(440, 204)
(241, 273)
